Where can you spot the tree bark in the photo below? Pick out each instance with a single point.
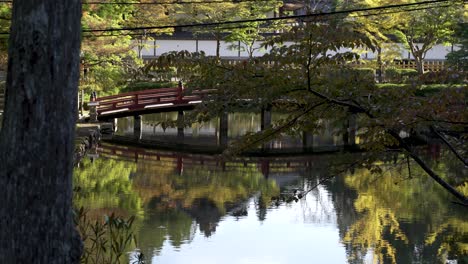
(417, 54)
(218, 44)
(419, 64)
(379, 64)
(37, 137)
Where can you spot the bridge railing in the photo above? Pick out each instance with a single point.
(147, 98)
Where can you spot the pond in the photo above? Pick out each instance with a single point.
(321, 208)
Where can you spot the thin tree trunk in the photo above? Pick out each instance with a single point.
(218, 44)
(419, 64)
(379, 65)
(37, 137)
(417, 54)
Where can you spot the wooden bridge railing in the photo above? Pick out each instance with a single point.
(142, 99)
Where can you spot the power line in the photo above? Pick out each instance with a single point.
(178, 2)
(166, 2)
(235, 27)
(296, 17)
(103, 34)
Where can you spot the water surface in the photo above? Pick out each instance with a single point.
(203, 209)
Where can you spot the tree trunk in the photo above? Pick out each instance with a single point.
(37, 137)
(218, 44)
(417, 54)
(379, 65)
(419, 64)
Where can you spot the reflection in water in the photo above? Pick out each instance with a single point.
(200, 191)
(206, 134)
(400, 210)
(104, 186)
(202, 209)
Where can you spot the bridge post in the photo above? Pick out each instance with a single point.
(349, 135)
(265, 118)
(223, 129)
(180, 165)
(180, 91)
(115, 124)
(93, 104)
(265, 122)
(180, 125)
(137, 124)
(265, 168)
(307, 140)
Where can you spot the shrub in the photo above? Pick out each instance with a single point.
(366, 72)
(408, 72)
(442, 77)
(400, 75)
(360, 73)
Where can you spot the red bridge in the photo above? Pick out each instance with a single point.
(148, 101)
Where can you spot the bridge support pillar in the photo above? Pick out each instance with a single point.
(223, 129)
(115, 124)
(307, 140)
(349, 135)
(265, 123)
(180, 165)
(265, 168)
(265, 118)
(137, 125)
(180, 125)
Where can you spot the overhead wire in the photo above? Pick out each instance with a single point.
(294, 17)
(177, 2)
(322, 14)
(291, 22)
(103, 34)
(164, 2)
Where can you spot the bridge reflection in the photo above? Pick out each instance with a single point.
(270, 167)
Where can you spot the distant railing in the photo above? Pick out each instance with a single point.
(429, 65)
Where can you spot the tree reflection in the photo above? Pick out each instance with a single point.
(390, 212)
(182, 199)
(104, 186)
(403, 217)
(172, 225)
